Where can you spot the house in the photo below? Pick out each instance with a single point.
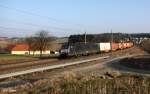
(22, 49)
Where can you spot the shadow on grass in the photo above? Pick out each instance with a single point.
(137, 63)
(48, 57)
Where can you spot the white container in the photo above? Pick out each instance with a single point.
(105, 47)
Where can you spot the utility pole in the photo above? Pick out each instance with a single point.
(130, 38)
(111, 36)
(85, 38)
(120, 40)
(111, 41)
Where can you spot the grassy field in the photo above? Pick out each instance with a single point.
(90, 85)
(12, 57)
(7, 58)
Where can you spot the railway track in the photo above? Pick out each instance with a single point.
(27, 66)
(41, 63)
(7, 75)
(34, 62)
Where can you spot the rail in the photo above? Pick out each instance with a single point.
(3, 76)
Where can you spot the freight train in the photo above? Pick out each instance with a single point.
(80, 49)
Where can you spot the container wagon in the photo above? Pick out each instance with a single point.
(114, 46)
(120, 46)
(105, 47)
(124, 45)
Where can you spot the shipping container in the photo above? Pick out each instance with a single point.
(124, 45)
(114, 46)
(128, 45)
(105, 47)
(120, 46)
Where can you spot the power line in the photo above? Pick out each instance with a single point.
(11, 28)
(44, 26)
(34, 14)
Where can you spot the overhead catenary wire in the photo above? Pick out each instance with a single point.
(49, 28)
(44, 26)
(38, 15)
(11, 28)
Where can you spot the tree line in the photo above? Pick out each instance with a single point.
(96, 38)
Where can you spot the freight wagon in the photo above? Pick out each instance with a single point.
(105, 47)
(114, 46)
(124, 45)
(120, 46)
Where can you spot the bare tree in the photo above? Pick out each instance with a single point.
(42, 41)
(30, 41)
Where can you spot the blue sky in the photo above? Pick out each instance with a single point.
(65, 17)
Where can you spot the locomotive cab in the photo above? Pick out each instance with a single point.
(64, 50)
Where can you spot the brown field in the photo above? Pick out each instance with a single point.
(5, 43)
(146, 45)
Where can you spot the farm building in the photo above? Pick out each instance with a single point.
(22, 49)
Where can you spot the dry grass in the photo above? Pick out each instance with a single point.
(70, 84)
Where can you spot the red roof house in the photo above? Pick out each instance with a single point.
(20, 47)
(24, 49)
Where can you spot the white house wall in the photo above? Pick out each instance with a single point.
(38, 52)
(27, 52)
(19, 52)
